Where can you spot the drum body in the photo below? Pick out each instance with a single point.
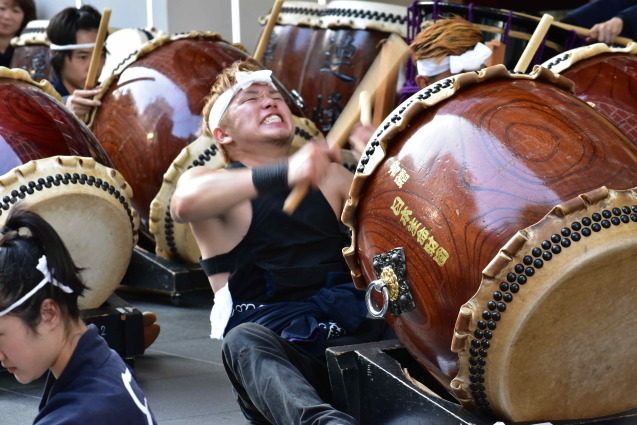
(32, 50)
(34, 125)
(451, 176)
(152, 109)
(605, 77)
(52, 164)
(331, 54)
(512, 29)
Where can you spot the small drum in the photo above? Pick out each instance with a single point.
(174, 241)
(32, 50)
(122, 45)
(512, 29)
(333, 56)
(605, 77)
(443, 187)
(88, 203)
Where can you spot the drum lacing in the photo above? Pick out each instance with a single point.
(168, 220)
(519, 276)
(364, 14)
(46, 183)
(300, 11)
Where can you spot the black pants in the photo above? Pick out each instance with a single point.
(276, 381)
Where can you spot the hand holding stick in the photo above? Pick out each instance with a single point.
(393, 53)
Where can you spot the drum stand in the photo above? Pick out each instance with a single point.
(368, 382)
(120, 324)
(148, 272)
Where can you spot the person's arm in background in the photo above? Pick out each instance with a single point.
(606, 18)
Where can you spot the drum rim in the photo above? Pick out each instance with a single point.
(22, 75)
(565, 60)
(559, 221)
(396, 122)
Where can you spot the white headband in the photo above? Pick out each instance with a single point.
(244, 80)
(71, 46)
(44, 269)
(471, 60)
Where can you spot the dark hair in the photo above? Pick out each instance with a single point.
(19, 255)
(63, 28)
(28, 8)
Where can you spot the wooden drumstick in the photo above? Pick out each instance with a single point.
(581, 31)
(534, 43)
(393, 52)
(365, 100)
(91, 77)
(267, 31)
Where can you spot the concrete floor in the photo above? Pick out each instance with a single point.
(181, 373)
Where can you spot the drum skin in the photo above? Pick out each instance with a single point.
(34, 125)
(152, 109)
(605, 77)
(455, 172)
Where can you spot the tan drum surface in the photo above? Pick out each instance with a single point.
(89, 206)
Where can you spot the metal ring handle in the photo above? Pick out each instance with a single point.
(378, 286)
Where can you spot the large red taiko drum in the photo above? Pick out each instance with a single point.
(472, 239)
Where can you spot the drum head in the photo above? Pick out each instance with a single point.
(89, 206)
(549, 334)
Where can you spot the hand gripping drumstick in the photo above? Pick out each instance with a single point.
(534, 43)
(265, 37)
(392, 54)
(581, 31)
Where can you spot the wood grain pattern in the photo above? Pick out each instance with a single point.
(33, 125)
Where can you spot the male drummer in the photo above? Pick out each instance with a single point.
(282, 290)
(72, 33)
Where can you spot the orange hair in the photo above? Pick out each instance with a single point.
(450, 36)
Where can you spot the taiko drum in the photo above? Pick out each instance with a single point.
(443, 187)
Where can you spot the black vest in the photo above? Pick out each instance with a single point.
(283, 257)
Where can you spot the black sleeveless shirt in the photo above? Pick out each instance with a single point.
(283, 257)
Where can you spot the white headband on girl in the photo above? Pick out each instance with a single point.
(471, 60)
(44, 269)
(244, 80)
(71, 46)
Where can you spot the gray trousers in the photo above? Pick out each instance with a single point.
(276, 381)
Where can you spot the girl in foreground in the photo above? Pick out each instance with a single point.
(41, 329)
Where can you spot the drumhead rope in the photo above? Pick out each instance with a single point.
(562, 62)
(174, 241)
(375, 151)
(89, 206)
(298, 13)
(570, 280)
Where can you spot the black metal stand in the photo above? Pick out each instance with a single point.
(120, 324)
(368, 383)
(149, 273)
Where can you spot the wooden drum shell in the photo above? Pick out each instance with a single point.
(455, 172)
